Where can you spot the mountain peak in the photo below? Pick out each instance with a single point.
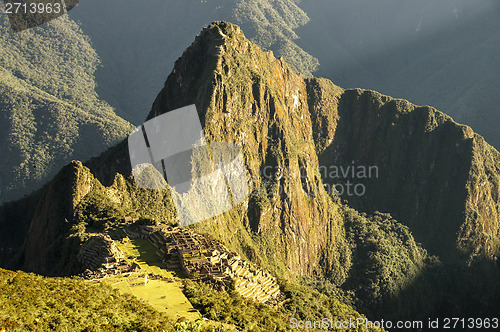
(220, 50)
(223, 29)
(246, 96)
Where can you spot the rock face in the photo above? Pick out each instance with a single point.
(434, 175)
(50, 220)
(247, 97)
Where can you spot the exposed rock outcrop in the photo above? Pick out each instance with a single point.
(50, 220)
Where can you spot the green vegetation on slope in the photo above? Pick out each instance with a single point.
(31, 302)
(49, 110)
(35, 303)
(434, 175)
(271, 25)
(386, 259)
(300, 302)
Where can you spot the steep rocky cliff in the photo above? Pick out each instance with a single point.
(246, 96)
(42, 251)
(434, 175)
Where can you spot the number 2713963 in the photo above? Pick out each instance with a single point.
(32, 8)
(472, 323)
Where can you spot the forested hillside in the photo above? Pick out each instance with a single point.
(31, 302)
(50, 111)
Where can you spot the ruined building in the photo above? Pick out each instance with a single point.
(203, 258)
(101, 258)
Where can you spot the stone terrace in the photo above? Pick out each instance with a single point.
(101, 258)
(203, 258)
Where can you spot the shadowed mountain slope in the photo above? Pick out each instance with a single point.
(442, 53)
(436, 176)
(50, 112)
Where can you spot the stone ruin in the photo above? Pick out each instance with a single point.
(199, 257)
(138, 228)
(101, 258)
(202, 258)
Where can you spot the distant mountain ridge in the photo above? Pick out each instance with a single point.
(435, 171)
(441, 53)
(139, 41)
(347, 126)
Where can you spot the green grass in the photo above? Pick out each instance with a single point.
(143, 251)
(34, 303)
(163, 296)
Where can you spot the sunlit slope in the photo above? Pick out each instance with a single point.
(163, 296)
(31, 302)
(75, 205)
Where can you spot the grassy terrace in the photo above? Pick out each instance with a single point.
(164, 296)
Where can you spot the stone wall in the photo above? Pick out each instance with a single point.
(100, 258)
(202, 258)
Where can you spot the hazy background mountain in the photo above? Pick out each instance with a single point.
(138, 41)
(443, 53)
